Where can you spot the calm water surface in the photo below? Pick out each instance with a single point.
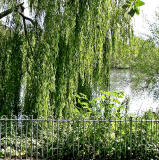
(141, 99)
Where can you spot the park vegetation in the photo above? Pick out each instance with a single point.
(63, 49)
(52, 61)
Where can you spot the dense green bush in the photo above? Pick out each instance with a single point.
(96, 139)
(91, 136)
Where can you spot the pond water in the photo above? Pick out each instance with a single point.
(141, 99)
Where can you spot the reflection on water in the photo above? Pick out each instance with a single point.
(140, 99)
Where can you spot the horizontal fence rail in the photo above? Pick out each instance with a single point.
(25, 138)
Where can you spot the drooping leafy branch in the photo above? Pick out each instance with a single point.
(69, 53)
(133, 7)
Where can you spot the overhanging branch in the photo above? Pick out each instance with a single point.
(21, 13)
(9, 11)
(27, 18)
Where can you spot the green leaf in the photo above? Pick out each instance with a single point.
(103, 97)
(122, 107)
(125, 6)
(104, 92)
(132, 12)
(114, 93)
(137, 11)
(117, 101)
(76, 110)
(115, 107)
(139, 3)
(84, 103)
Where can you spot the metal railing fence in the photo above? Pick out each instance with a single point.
(124, 138)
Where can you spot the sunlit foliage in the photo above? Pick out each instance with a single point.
(65, 52)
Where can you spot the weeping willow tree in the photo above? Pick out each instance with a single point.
(63, 49)
(122, 34)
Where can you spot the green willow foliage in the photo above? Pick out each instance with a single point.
(10, 71)
(66, 52)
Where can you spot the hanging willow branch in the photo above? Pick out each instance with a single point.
(69, 54)
(27, 18)
(25, 28)
(20, 9)
(9, 11)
